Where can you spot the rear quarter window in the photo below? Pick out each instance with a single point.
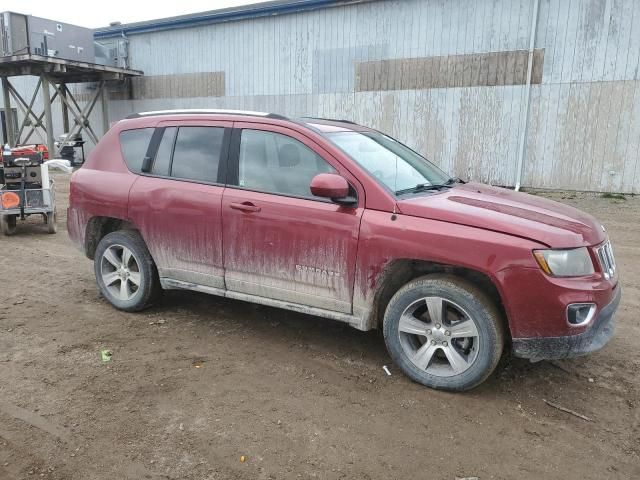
(134, 145)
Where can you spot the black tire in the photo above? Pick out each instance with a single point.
(148, 290)
(9, 224)
(51, 220)
(473, 302)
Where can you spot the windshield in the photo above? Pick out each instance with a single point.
(397, 167)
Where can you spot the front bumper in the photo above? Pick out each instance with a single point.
(594, 338)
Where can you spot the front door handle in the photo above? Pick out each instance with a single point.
(245, 207)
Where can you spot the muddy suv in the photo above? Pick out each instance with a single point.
(340, 221)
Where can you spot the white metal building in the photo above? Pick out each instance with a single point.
(456, 80)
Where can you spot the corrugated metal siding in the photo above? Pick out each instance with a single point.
(584, 121)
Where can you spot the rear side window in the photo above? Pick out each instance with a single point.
(197, 153)
(162, 162)
(134, 144)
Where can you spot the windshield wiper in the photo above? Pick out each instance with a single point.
(422, 187)
(453, 180)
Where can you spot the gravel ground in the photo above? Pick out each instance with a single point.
(201, 387)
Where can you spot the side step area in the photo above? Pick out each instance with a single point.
(171, 284)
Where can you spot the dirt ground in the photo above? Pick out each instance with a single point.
(198, 381)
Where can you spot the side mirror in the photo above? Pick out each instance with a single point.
(333, 186)
(329, 185)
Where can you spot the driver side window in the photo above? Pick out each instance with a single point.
(275, 163)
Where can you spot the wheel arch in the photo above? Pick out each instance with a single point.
(98, 227)
(399, 272)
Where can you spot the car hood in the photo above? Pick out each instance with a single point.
(515, 213)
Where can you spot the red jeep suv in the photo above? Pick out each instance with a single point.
(341, 221)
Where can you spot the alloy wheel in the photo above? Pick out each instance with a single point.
(438, 336)
(120, 272)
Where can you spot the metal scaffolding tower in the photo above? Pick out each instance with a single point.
(54, 73)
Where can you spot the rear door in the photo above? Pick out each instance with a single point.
(177, 202)
(281, 242)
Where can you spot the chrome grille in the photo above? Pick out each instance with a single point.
(607, 262)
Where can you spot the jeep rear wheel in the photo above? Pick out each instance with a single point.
(125, 272)
(443, 332)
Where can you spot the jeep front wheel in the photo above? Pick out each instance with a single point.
(443, 332)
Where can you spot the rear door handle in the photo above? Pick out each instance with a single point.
(245, 207)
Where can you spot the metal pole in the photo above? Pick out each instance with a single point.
(65, 109)
(104, 97)
(8, 114)
(525, 128)
(48, 119)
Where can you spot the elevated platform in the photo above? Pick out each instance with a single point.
(55, 73)
(61, 71)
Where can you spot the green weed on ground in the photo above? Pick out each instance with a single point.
(614, 196)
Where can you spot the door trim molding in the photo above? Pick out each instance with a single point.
(191, 276)
(234, 284)
(356, 322)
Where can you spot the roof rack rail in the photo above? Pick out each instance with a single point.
(277, 116)
(329, 120)
(203, 111)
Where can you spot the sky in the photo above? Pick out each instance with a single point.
(99, 13)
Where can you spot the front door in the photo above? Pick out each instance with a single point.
(177, 204)
(280, 242)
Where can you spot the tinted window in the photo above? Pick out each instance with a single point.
(162, 162)
(275, 163)
(134, 144)
(197, 153)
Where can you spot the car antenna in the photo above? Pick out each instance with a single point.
(394, 215)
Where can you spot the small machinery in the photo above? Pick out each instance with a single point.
(25, 189)
(67, 146)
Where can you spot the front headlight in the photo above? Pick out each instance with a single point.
(575, 262)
